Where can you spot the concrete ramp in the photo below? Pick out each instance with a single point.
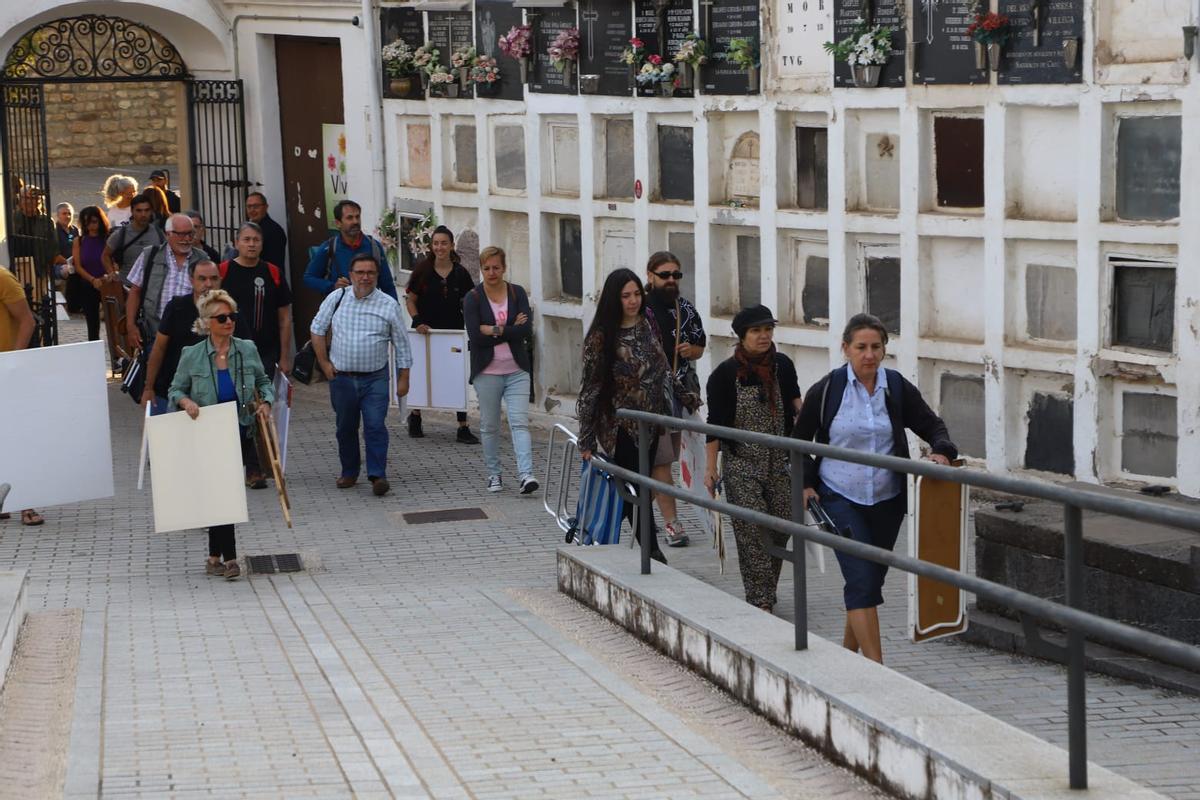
(13, 593)
(900, 734)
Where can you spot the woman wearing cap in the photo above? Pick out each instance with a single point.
(222, 369)
(624, 367)
(754, 390)
(866, 407)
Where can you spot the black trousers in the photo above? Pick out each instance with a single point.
(627, 457)
(221, 541)
(89, 301)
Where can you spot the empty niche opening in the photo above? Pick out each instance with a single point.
(962, 409)
(510, 230)
(742, 182)
(676, 164)
(958, 160)
(734, 269)
(1049, 439)
(1149, 153)
(510, 157)
(568, 242)
(617, 163)
(804, 283)
(1040, 183)
(562, 356)
(1143, 304)
(563, 145)
(749, 271)
(881, 272)
(812, 168)
(881, 172)
(466, 168)
(1050, 305)
(417, 155)
(951, 306)
(1149, 434)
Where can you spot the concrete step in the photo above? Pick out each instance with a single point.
(14, 590)
(907, 738)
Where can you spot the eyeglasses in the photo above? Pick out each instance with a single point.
(223, 318)
(256, 205)
(360, 273)
(677, 275)
(183, 234)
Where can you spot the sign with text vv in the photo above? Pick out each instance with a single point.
(333, 167)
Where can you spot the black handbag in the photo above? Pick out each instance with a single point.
(134, 382)
(304, 363)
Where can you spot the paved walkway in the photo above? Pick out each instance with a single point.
(437, 660)
(419, 660)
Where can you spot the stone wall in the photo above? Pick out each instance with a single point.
(101, 124)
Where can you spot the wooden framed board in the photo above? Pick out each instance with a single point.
(440, 370)
(937, 534)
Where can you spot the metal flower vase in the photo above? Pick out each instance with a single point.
(524, 62)
(401, 87)
(568, 71)
(980, 56)
(666, 88)
(866, 76)
(685, 76)
(752, 79)
(464, 79)
(995, 51)
(589, 84)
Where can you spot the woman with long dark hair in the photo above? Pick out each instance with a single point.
(624, 367)
(86, 252)
(434, 299)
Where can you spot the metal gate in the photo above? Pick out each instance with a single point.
(217, 135)
(32, 240)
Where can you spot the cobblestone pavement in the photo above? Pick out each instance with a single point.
(405, 666)
(400, 668)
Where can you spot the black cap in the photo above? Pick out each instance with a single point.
(750, 317)
(158, 173)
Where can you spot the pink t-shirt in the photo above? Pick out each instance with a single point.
(503, 362)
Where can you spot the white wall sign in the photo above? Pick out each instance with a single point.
(196, 476)
(438, 379)
(804, 27)
(334, 168)
(55, 444)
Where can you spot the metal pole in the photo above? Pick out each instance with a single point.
(1076, 677)
(645, 521)
(799, 564)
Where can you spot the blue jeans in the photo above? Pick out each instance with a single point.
(159, 406)
(878, 525)
(513, 389)
(366, 397)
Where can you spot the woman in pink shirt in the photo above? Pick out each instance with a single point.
(499, 327)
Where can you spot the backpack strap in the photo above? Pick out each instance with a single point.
(276, 275)
(223, 269)
(835, 385)
(332, 246)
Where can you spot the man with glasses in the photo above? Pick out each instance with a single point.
(159, 274)
(274, 249)
(364, 321)
(683, 342)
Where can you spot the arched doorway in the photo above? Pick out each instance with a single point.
(85, 50)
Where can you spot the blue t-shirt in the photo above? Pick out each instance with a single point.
(226, 391)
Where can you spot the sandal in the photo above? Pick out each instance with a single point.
(31, 517)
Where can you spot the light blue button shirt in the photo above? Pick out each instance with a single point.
(362, 328)
(862, 423)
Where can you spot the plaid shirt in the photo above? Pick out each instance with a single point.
(177, 280)
(362, 329)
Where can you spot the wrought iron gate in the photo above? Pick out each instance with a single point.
(32, 240)
(217, 135)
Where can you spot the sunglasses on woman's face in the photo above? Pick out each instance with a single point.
(223, 318)
(677, 275)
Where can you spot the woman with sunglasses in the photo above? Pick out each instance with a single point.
(222, 369)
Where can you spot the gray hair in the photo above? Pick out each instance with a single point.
(115, 186)
(192, 213)
(249, 226)
(170, 226)
(67, 206)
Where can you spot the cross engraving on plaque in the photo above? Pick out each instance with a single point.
(590, 17)
(930, 9)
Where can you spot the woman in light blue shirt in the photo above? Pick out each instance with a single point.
(863, 406)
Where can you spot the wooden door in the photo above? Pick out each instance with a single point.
(309, 74)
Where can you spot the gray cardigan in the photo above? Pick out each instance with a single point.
(478, 311)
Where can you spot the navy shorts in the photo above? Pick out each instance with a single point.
(878, 525)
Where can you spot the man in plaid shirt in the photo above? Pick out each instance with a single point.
(361, 321)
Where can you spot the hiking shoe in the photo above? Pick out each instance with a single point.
(217, 569)
(529, 484)
(256, 480)
(232, 571)
(379, 486)
(414, 427)
(465, 436)
(346, 481)
(674, 534)
(494, 483)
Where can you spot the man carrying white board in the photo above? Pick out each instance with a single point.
(16, 329)
(350, 336)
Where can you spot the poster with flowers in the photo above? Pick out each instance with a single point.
(333, 167)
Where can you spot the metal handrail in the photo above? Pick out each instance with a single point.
(1070, 616)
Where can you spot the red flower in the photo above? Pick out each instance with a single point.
(332, 162)
(636, 42)
(655, 59)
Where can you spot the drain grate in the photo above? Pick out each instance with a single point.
(446, 515)
(269, 565)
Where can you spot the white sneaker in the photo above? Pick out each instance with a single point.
(529, 484)
(494, 484)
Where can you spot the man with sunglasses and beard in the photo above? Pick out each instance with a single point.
(683, 341)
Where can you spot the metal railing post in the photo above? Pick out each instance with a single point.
(799, 562)
(1076, 677)
(645, 520)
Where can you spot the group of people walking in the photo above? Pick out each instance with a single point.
(637, 355)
